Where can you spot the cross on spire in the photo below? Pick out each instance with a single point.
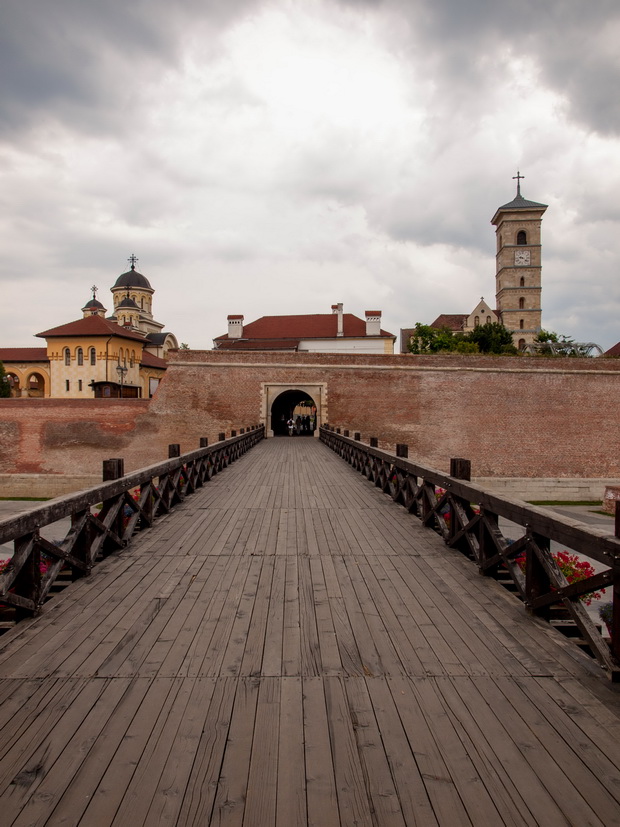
(94, 289)
(518, 177)
(132, 260)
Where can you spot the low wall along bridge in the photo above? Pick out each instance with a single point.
(282, 640)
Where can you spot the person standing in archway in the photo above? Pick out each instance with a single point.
(291, 425)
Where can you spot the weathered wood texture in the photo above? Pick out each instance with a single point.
(467, 517)
(291, 647)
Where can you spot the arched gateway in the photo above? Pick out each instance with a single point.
(280, 402)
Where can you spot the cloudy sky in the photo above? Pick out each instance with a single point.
(278, 156)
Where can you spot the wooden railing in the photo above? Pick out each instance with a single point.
(104, 518)
(467, 517)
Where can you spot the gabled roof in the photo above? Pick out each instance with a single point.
(315, 326)
(23, 354)
(613, 351)
(91, 326)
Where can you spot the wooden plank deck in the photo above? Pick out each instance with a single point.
(289, 647)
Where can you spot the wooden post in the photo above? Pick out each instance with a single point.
(614, 628)
(357, 436)
(536, 578)
(113, 469)
(402, 450)
(204, 442)
(221, 437)
(460, 468)
(374, 442)
(174, 450)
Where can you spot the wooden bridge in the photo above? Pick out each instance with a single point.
(291, 647)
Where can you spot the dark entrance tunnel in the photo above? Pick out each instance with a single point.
(283, 409)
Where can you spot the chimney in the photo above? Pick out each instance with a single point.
(337, 308)
(235, 327)
(373, 322)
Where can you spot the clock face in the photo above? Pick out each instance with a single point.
(522, 257)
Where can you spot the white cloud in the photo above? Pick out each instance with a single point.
(306, 154)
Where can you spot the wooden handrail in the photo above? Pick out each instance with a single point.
(27, 578)
(466, 516)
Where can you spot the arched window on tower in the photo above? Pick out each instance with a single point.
(80, 356)
(522, 282)
(132, 358)
(521, 237)
(93, 356)
(476, 321)
(142, 303)
(67, 356)
(488, 320)
(521, 324)
(521, 303)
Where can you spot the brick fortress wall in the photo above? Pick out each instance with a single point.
(513, 417)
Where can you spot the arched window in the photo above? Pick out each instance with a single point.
(488, 320)
(120, 355)
(522, 282)
(80, 356)
(142, 303)
(521, 303)
(476, 321)
(67, 356)
(521, 344)
(93, 356)
(132, 358)
(521, 324)
(521, 237)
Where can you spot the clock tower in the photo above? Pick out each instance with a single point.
(518, 266)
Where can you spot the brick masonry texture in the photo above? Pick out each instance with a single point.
(512, 417)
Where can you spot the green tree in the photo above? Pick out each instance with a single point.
(492, 337)
(5, 388)
(428, 339)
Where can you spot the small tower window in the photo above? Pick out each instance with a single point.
(521, 303)
(521, 324)
(132, 358)
(79, 384)
(67, 385)
(80, 356)
(521, 237)
(93, 356)
(67, 357)
(522, 282)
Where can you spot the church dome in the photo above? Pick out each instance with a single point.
(93, 304)
(129, 302)
(132, 279)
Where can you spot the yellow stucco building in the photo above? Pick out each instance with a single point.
(120, 356)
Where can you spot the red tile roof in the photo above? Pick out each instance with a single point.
(317, 326)
(91, 326)
(23, 354)
(613, 351)
(149, 360)
(454, 321)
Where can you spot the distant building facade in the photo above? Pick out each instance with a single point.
(95, 356)
(335, 332)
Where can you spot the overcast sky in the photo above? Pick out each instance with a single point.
(278, 157)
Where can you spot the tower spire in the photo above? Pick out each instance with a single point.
(518, 177)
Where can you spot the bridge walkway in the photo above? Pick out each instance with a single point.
(289, 647)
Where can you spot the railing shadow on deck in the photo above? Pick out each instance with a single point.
(467, 517)
(104, 518)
